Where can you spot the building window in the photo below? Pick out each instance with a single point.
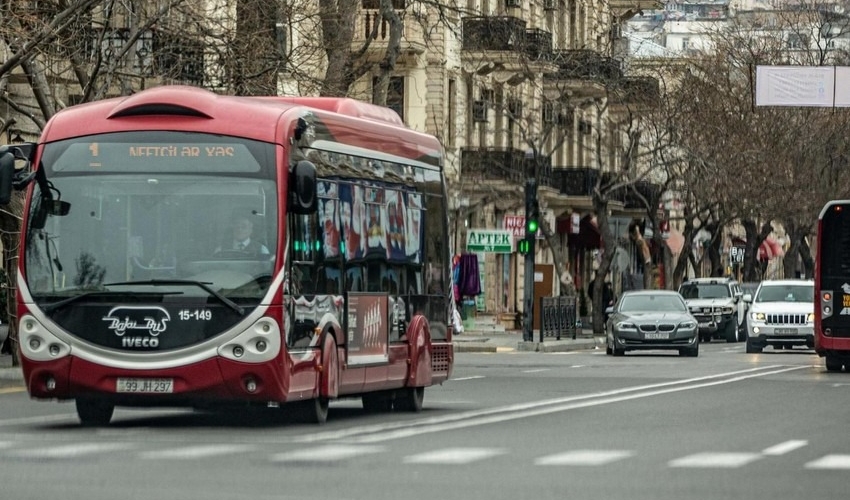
(395, 94)
(451, 112)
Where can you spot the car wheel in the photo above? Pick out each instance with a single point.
(751, 349)
(731, 332)
(615, 351)
(833, 364)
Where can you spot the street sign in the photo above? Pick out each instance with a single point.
(736, 255)
(489, 240)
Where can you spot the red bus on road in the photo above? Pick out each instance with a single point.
(132, 291)
(832, 285)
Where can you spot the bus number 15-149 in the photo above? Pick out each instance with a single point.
(197, 314)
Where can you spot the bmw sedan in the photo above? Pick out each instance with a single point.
(651, 319)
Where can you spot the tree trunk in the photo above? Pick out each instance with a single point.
(387, 66)
(600, 205)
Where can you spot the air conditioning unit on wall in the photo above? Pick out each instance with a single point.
(512, 3)
(550, 4)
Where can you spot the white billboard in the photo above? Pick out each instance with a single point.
(808, 86)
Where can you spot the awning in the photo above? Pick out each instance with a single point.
(588, 235)
(770, 249)
(675, 241)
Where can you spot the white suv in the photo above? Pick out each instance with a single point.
(717, 305)
(781, 315)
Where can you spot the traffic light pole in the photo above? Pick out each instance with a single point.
(531, 214)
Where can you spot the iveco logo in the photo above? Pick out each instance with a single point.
(151, 320)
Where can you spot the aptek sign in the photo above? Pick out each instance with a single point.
(489, 240)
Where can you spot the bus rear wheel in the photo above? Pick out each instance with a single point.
(833, 364)
(410, 399)
(94, 413)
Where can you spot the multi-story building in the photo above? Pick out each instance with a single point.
(513, 88)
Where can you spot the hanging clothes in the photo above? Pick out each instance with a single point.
(456, 278)
(469, 281)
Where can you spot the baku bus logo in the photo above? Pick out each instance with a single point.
(150, 319)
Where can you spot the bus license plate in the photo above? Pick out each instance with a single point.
(786, 331)
(656, 336)
(145, 385)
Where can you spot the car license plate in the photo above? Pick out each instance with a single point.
(786, 331)
(145, 385)
(656, 336)
(704, 325)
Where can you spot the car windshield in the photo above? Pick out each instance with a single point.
(786, 293)
(704, 291)
(652, 303)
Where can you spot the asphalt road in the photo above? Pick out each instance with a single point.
(515, 425)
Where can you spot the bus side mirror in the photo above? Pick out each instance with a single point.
(303, 188)
(7, 175)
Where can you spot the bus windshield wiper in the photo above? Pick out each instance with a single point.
(49, 308)
(200, 284)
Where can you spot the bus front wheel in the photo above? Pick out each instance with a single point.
(94, 413)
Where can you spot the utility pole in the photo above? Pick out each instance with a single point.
(532, 224)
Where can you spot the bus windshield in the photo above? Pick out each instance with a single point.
(156, 212)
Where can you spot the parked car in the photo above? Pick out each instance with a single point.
(781, 315)
(717, 305)
(651, 319)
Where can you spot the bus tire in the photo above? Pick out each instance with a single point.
(833, 364)
(410, 399)
(94, 413)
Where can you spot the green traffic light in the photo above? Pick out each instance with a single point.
(523, 246)
(532, 226)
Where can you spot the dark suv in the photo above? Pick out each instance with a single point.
(718, 307)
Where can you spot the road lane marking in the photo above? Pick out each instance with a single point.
(454, 456)
(536, 371)
(467, 378)
(396, 430)
(713, 460)
(830, 462)
(191, 452)
(70, 450)
(12, 390)
(786, 447)
(324, 454)
(584, 457)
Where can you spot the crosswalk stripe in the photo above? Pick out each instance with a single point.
(190, 452)
(328, 453)
(786, 447)
(712, 460)
(830, 462)
(584, 457)
(70, 450)
(454, 456)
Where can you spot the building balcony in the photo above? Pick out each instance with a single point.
(493, 163)
(585, 64)
(493, 33)
(626, 9)
(640, 89)
(648, 190)
(369, 23)
(538, 44)
(575, 181)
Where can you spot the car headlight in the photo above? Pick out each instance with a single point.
(687, 325)
(810, 318)
(757, 316)
(625, 325)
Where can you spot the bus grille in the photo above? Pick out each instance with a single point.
(786, 319)
(440, 357)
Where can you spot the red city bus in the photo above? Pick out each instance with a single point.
(132, 293)
(832, 285)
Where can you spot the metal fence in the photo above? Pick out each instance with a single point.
(558, 317)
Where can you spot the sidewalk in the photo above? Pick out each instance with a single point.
(7, 372)
(511, 340)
